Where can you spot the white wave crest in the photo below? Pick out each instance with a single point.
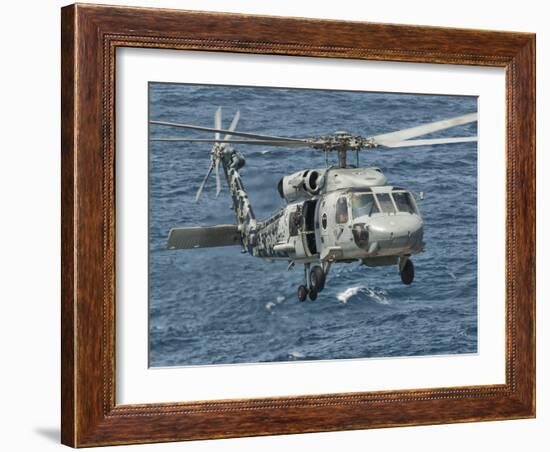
(271, 304)
(378, 295)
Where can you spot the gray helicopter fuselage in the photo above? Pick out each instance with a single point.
(340, 214)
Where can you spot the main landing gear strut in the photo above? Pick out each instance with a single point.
(406, 270)
(314, 281)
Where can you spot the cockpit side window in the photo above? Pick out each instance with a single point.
(363, 204)
(342, 215)
(386, 204)
(403, 202)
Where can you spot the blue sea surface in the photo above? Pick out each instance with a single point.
(218, 306)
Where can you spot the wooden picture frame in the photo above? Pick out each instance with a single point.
(90, 36)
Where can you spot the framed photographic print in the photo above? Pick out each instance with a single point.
(281, 225)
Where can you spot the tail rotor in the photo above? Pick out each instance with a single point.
(199, 191)
(217, 125)
(216, 153)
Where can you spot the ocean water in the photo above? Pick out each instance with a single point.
(218, 306)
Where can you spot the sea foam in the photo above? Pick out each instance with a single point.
(377, 295)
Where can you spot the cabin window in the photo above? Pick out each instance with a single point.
(403, 202)
(386, 204)
(324, 221)
(363, 204)
(342, 210)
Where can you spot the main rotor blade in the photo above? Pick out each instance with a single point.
(199, 191)
(287, 144)
(429, 142)
(218, 122)
(228, 132)
(233, 125)
(387, 139)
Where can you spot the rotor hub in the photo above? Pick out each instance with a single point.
(343, 141)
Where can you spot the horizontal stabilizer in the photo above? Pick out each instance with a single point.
(204, 237)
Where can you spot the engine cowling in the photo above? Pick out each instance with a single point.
(301, 185)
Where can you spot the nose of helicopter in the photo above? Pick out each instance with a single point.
(392, 232)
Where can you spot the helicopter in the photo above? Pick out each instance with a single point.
(335, 214)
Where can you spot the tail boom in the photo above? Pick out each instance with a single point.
(233, 161)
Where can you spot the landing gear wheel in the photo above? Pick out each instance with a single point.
(317, 278)
(407, 274)
(302, 293)
(313, 294)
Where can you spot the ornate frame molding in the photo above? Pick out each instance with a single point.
(90, 37)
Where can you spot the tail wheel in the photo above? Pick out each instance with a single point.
(302, 293)
(317, 278)
(407, 274)
(313, 294)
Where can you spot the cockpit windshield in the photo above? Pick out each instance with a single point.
(403, 202)
(363, 204)
(386, 204)
(368, 203)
